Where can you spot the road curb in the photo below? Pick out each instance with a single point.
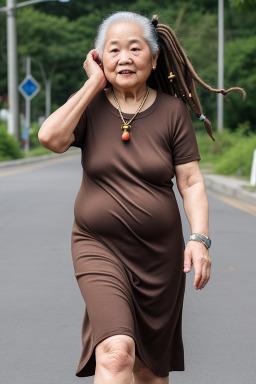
(229, 186)
(36, 159)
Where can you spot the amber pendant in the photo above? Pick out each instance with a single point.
(126, 135)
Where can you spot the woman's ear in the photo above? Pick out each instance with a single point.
(155, 57)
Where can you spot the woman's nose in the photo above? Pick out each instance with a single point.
(124, 59)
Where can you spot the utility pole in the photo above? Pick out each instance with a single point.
(220, 64)
(28, 109)
(13, 122)
(10, 9)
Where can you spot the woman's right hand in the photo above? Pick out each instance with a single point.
(93, 68)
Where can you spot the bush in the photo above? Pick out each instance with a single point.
(238, 159)
(231, 153)
(9, 146)
(209, 150)
(33, 136)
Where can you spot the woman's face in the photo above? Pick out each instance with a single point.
(127, 58)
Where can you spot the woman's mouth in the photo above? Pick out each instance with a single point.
(126, 72)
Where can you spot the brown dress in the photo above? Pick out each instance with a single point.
(127, 242)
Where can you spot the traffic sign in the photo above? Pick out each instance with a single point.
(29, 87)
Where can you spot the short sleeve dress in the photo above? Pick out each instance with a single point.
(127, 242)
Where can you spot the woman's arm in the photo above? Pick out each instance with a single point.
(191, 187)
(56, 133)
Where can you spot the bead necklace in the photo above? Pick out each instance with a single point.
(126, 127)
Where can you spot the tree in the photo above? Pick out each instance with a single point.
(240, 64)
(3, 58)
(244, 5)
(53, 43)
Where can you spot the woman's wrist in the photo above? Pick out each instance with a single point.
(201, 238)
(202, 232)
(97, 82)
(203, 229)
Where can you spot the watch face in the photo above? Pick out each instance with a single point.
(208, 243)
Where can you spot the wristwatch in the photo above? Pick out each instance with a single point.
(201, 238)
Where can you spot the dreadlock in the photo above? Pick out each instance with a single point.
(173, 60)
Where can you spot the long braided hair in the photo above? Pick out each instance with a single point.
(173, 61)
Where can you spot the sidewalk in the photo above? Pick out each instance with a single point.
(36, 159)
(230, 186)
(225, 185)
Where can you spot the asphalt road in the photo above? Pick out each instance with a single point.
(42, 308)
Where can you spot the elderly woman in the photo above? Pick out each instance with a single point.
(132, 124)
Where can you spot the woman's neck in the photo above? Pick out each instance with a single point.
(130, 96)
(130, 100)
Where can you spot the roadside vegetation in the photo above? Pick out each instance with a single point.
(230, 154)
(11, 148)
(59, 36)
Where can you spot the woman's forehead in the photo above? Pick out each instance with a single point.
(124, 30)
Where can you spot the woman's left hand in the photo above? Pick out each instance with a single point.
(197, 254)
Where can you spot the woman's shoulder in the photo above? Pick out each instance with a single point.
(173, 105)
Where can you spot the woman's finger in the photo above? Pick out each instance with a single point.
(91, 56)
(204, 275)
(208, 272)
(187, 261)
(93, 66)
(198, 273)
(94, 54)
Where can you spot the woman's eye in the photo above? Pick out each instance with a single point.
(135, 49)
(114, 50)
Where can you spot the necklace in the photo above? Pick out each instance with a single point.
(126, 127)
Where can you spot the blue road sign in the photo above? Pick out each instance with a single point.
(29, 87)
(25, 133)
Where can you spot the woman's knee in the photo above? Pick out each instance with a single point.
(116, 353)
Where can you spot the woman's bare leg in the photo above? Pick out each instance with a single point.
(115, 358)
(143, 375)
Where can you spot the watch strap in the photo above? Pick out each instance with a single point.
(201, 238)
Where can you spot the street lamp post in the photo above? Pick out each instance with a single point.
(10, 9)
(220, 64)
(12, 69)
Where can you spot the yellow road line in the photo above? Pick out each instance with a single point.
(249, 208)
(44, 163)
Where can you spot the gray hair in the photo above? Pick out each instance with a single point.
(149, 33)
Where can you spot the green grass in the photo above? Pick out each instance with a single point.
(38, 152)
(210, 150)
(230, 154)
(249, 188)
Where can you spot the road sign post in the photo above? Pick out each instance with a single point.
(29, 88)
(253, 170)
